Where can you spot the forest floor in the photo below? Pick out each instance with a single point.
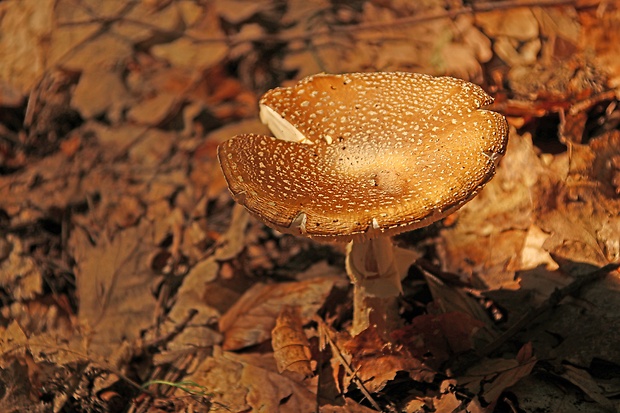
(130, 281)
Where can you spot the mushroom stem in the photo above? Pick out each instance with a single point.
(376, 273)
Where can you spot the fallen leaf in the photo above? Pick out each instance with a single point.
(20, 276)
(233, 240)
(536, 393)
(492, 376)
(100, 91)
(375, 362)
(584, 381)
(245, 383)
(185, 52)
(490, 231)
(114, 285)
(436, 338)
(291, 348)
(156, 110)
(447, 403)
(31, 20)
(251, 319)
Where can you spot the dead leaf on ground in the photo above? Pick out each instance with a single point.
(114, 285)
(291, 348)
(434, 338)
(253, 316)
(492, 376)
(376, 362)
(242, 383)
(19, 274)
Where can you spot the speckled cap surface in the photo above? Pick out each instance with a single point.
(365, 154)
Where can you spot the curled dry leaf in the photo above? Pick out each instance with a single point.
(291, 348)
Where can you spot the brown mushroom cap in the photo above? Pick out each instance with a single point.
(383, 153)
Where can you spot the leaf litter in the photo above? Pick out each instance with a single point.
(123, 260)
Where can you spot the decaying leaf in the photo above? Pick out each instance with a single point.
(291, 348)
(114, 286)
(436, 338)
(253, 316)
(585, 382)
(251, 383)
(376, 361)
(19, 274)
(491, 377)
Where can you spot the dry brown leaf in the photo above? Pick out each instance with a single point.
(68, 48)
(99, 92)
(247, 383)
(27, 24)
(492, 376)
(156, 110)
(144, 22)
(291, 348)
(599, 31)
(424, 46)
(127, 212)
(152, 150)
(233, 240)
(490, 231)
(20, 276)
(582, 379)
(436, 338)
(53, 181)
(581, 211)
(447, 403)
(116, 140)
(251, 319)
(349, 407)
(237, 11)
(536, 393)
(453, 299)
(586, 328)
(114, 284)
(376, 362)
(533, 253)
(185, 52)
(41, 348)
(518, 23)
(19, 387)
(189, 298)
(561, 30)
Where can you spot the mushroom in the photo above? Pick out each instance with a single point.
(363, 156)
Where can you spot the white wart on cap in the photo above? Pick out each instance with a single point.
(365, 154)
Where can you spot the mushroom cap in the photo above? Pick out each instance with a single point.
(365, 154)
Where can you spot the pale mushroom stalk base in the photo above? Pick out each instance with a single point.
(376, 268)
